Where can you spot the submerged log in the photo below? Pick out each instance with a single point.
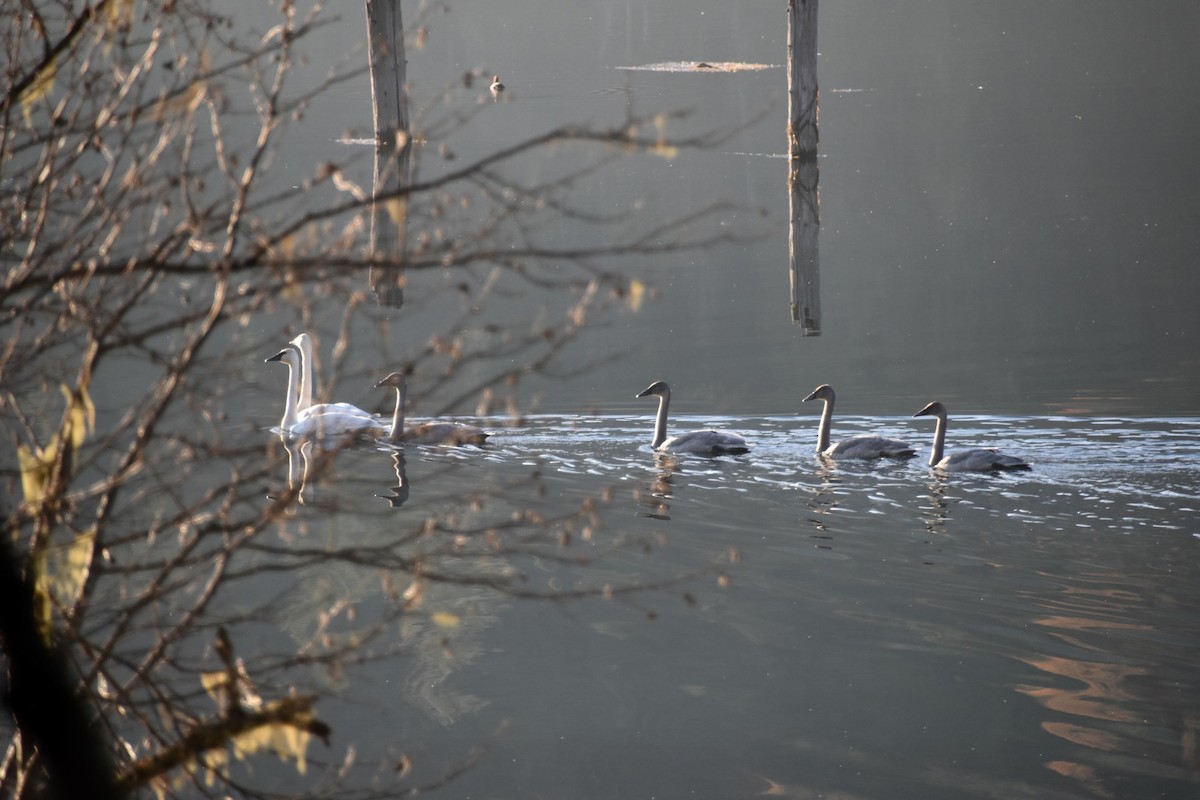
(802, 79)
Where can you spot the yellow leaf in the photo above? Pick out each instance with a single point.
(397, 209)
(288, 740)
(287, 247)
(81, 414)
(39, 88)
(637, 294)
(664, 151)
(60, 573)
(445, 619)
(214, 684)
(120, 13)
(35, 467)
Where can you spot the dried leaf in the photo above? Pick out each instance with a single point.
(59, 575)
(39, 88)
(445, 619)
(397, 209)
(35, 465)
(120, 14)
(637, 295)
(81, 415)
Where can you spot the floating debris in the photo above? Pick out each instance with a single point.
(703, 66)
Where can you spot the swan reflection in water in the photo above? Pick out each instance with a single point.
(824, 500)
(705, 442)
(299, 452)
(864, 445)
(974, 460)
(398, 494)
(653, 500)
(937, 513)
(305, 464)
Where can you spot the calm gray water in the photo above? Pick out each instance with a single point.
(870, 630)
(1008, 225)
(1007, 197)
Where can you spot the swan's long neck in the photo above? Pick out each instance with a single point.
(660, 422)
(397, 431)
(289, 405)
(823, 429)
(306, 374)
(939, 441)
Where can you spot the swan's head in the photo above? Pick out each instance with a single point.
(395, 381)
(300, 340)
(822, 392)
(658, 389)
(934, 409)
(288, 355)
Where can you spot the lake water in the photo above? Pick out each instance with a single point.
(860, 630)
(1008, 225)
(1008, 213)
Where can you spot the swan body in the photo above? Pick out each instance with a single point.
(862, 446)
(319, 420)
(497, 87)
(431, 432)
(303, 342)
(977, 459)
(705, 442)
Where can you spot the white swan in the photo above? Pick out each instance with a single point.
(862, 446)
(975, 460)
(308, 385)
(497, 87)
(317, 420)
(706, 442)
(430, 432)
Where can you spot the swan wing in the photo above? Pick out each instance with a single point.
(706, 442)
(455, 433)
(980, 460)
(348, 409)
(869, 446)
(333, 423)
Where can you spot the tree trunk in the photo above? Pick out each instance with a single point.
(385, 36)
(393, 150)
(802, 79)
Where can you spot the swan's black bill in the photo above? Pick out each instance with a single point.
(658, 388)
(277, 357)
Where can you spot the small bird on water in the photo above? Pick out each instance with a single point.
(497, 86)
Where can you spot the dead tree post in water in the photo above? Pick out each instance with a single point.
(393, 148)
(804, 265)
(802, 79)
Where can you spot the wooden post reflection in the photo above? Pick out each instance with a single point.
(393, 150)
(804, 261)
